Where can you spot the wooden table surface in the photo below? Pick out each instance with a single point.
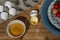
(37, 32)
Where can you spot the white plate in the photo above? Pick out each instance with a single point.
(12, 22)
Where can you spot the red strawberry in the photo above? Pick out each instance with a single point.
(56, 6)
(58, 14)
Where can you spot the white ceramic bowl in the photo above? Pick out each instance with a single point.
(12, 22)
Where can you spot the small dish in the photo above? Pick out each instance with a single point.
(9, 26)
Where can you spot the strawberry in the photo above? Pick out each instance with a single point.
(58, 14)
(56, 9)
(56, 6)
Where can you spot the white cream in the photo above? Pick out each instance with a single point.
(4, 15)
(8, 4)
(1, 8)
(12, 11)
(33, 13)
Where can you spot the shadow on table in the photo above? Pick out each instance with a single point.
(24, 19)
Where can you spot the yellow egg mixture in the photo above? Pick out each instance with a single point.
(34, 20)
(16, 29)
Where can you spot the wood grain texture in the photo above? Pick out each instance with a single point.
(37, 32)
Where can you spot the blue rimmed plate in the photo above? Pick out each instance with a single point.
(53, 19)
(44, 16)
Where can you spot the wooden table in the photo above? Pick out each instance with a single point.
(37, 32)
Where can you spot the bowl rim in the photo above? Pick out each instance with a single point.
(15, 21)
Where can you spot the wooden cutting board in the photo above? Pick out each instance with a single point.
(37, 32)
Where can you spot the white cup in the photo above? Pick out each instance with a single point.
(12, 22)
